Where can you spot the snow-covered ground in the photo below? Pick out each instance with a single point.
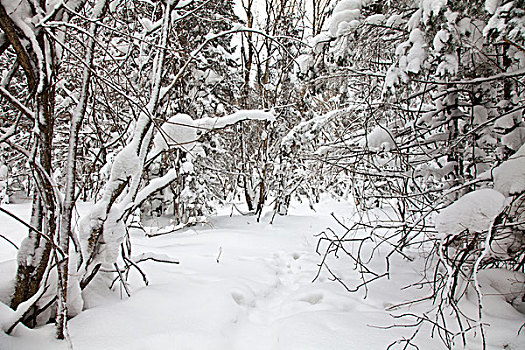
(239, 285)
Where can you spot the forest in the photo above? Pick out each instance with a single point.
(262, 174)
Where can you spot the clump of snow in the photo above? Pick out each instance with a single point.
(93, 219)
(433, 170)
(440, 40)
(341, 21)
(491, 6)
(380, 138)
(304, 62)
(376, 19)
(75, 302)
(154, 185)
(505, 122)
(345, 15)
(480, 115)
(392, 76)
(431, 8)
(187, 167)
(222, 122)
(395, 21)
(412, 55)
(509, 176)
(183, 3)
(414, 20)
(498, 21)
(475, 211)
(126, 165)
(4, 172)
(344, 5)
(305, 131)
(449, 65)
(113, 235)
(211, 77)
(417, 53)
(514, 139)
(181, 129)
(319, 41)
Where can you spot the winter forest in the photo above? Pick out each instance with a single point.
(262, 174)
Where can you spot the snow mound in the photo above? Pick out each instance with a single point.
(475, 211)
(502, 290)
(509, 176)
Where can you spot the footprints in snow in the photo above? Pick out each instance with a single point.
(290, 294)
(312, 298)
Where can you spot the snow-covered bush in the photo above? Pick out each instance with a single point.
(439, 115)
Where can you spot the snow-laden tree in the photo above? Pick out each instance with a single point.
(111, 71)
(32, 50)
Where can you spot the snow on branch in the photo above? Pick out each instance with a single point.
(301, 131)
(163, 258)
(17, 103)
(475, 212)
(181, 129)
(154, 186)
(222, 122)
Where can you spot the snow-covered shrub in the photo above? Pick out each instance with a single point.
(438, 144)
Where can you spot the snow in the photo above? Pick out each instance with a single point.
(417, 54)
(344, 5)
(178, 131)
(183, 3)
(440, 40)
(480, 115)
(154, 185)
(475, 211)
(376, 19)
(491, 6)
(395, 21)
(505, 122)
(319, 41)
(414, 20)
(515, 138)
(341, 19)
(380, 138)
(243, 284)
(181, 129)
(4, 172)
(509, 176)
(125, 166)
(431, 8)
(345, 14)
(222, 122)
(304, 62)
(503, 292)
(449, 65)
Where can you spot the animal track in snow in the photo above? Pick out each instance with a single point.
(312, 298)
